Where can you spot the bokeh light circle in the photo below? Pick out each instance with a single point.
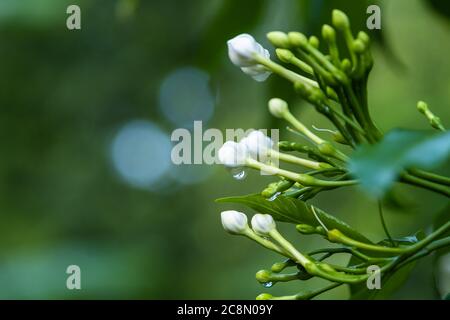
(141, 153)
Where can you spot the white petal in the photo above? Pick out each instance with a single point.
(257, 144)
(262, 224)
(241, 50)
(233, 154)
(234, 222)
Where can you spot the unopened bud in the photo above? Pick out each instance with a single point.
(297, 39)
(328, 33)
(278, 39)
(340, 20)
(278, 107)
(314, 41)
(284, 55)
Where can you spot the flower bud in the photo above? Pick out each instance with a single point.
(326, 148)
(364, 37)
(278, 107)
(298, 39)
(340, 20)
(233, 154)
(422, 107)
(346, 65)
(257, 144)
(263, 276)
(359, 46)
(257, 72)
(243, 50)
(314, 41)
(234, 222)
(278, 39)
(284, 55)
(263, 224)
(328, 33)
(305, 229)
(264, 296)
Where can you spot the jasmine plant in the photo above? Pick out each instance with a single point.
(335, 83)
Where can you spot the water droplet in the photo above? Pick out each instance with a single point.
(239, 174)
(267, 284)
(274, 196)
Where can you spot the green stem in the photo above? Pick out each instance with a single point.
(337, 236)
(413, 180)
(303, 179)
(383, 223)
(434, 177)
(283, 72)
(438, 244)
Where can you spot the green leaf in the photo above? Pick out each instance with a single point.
(378, 166)
(292, 210)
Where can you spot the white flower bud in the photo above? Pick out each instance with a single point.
(257, 72)
(233, 154)
(234, 222)
(242, 50)
(278, 107)
(257, 144)
(262, 224)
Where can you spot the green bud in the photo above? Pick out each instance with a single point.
(314, 41)
(346, 65)
(316, 95)
(339, 138)
(359, 46)
(364, 37)
(278, 107)
(279, 39)
(269, 190)
(297, 39)
(284, 55)
(321, 230)
(305, 229)
(340, 20)
(264, 296)
(422, 107)
(280, 266)
(435, 121)
(334, 235)
(263, 276)
(326, 148)
(302, 88)
(275, 187)
(328, 33)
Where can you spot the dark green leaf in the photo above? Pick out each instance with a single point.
(378, 166)
(291, 210)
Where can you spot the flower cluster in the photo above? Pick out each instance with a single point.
(335, 83)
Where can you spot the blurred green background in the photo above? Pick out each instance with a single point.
(85, 124)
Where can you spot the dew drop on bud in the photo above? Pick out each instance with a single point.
(267, 284)
(238, 173)
(272, 198)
